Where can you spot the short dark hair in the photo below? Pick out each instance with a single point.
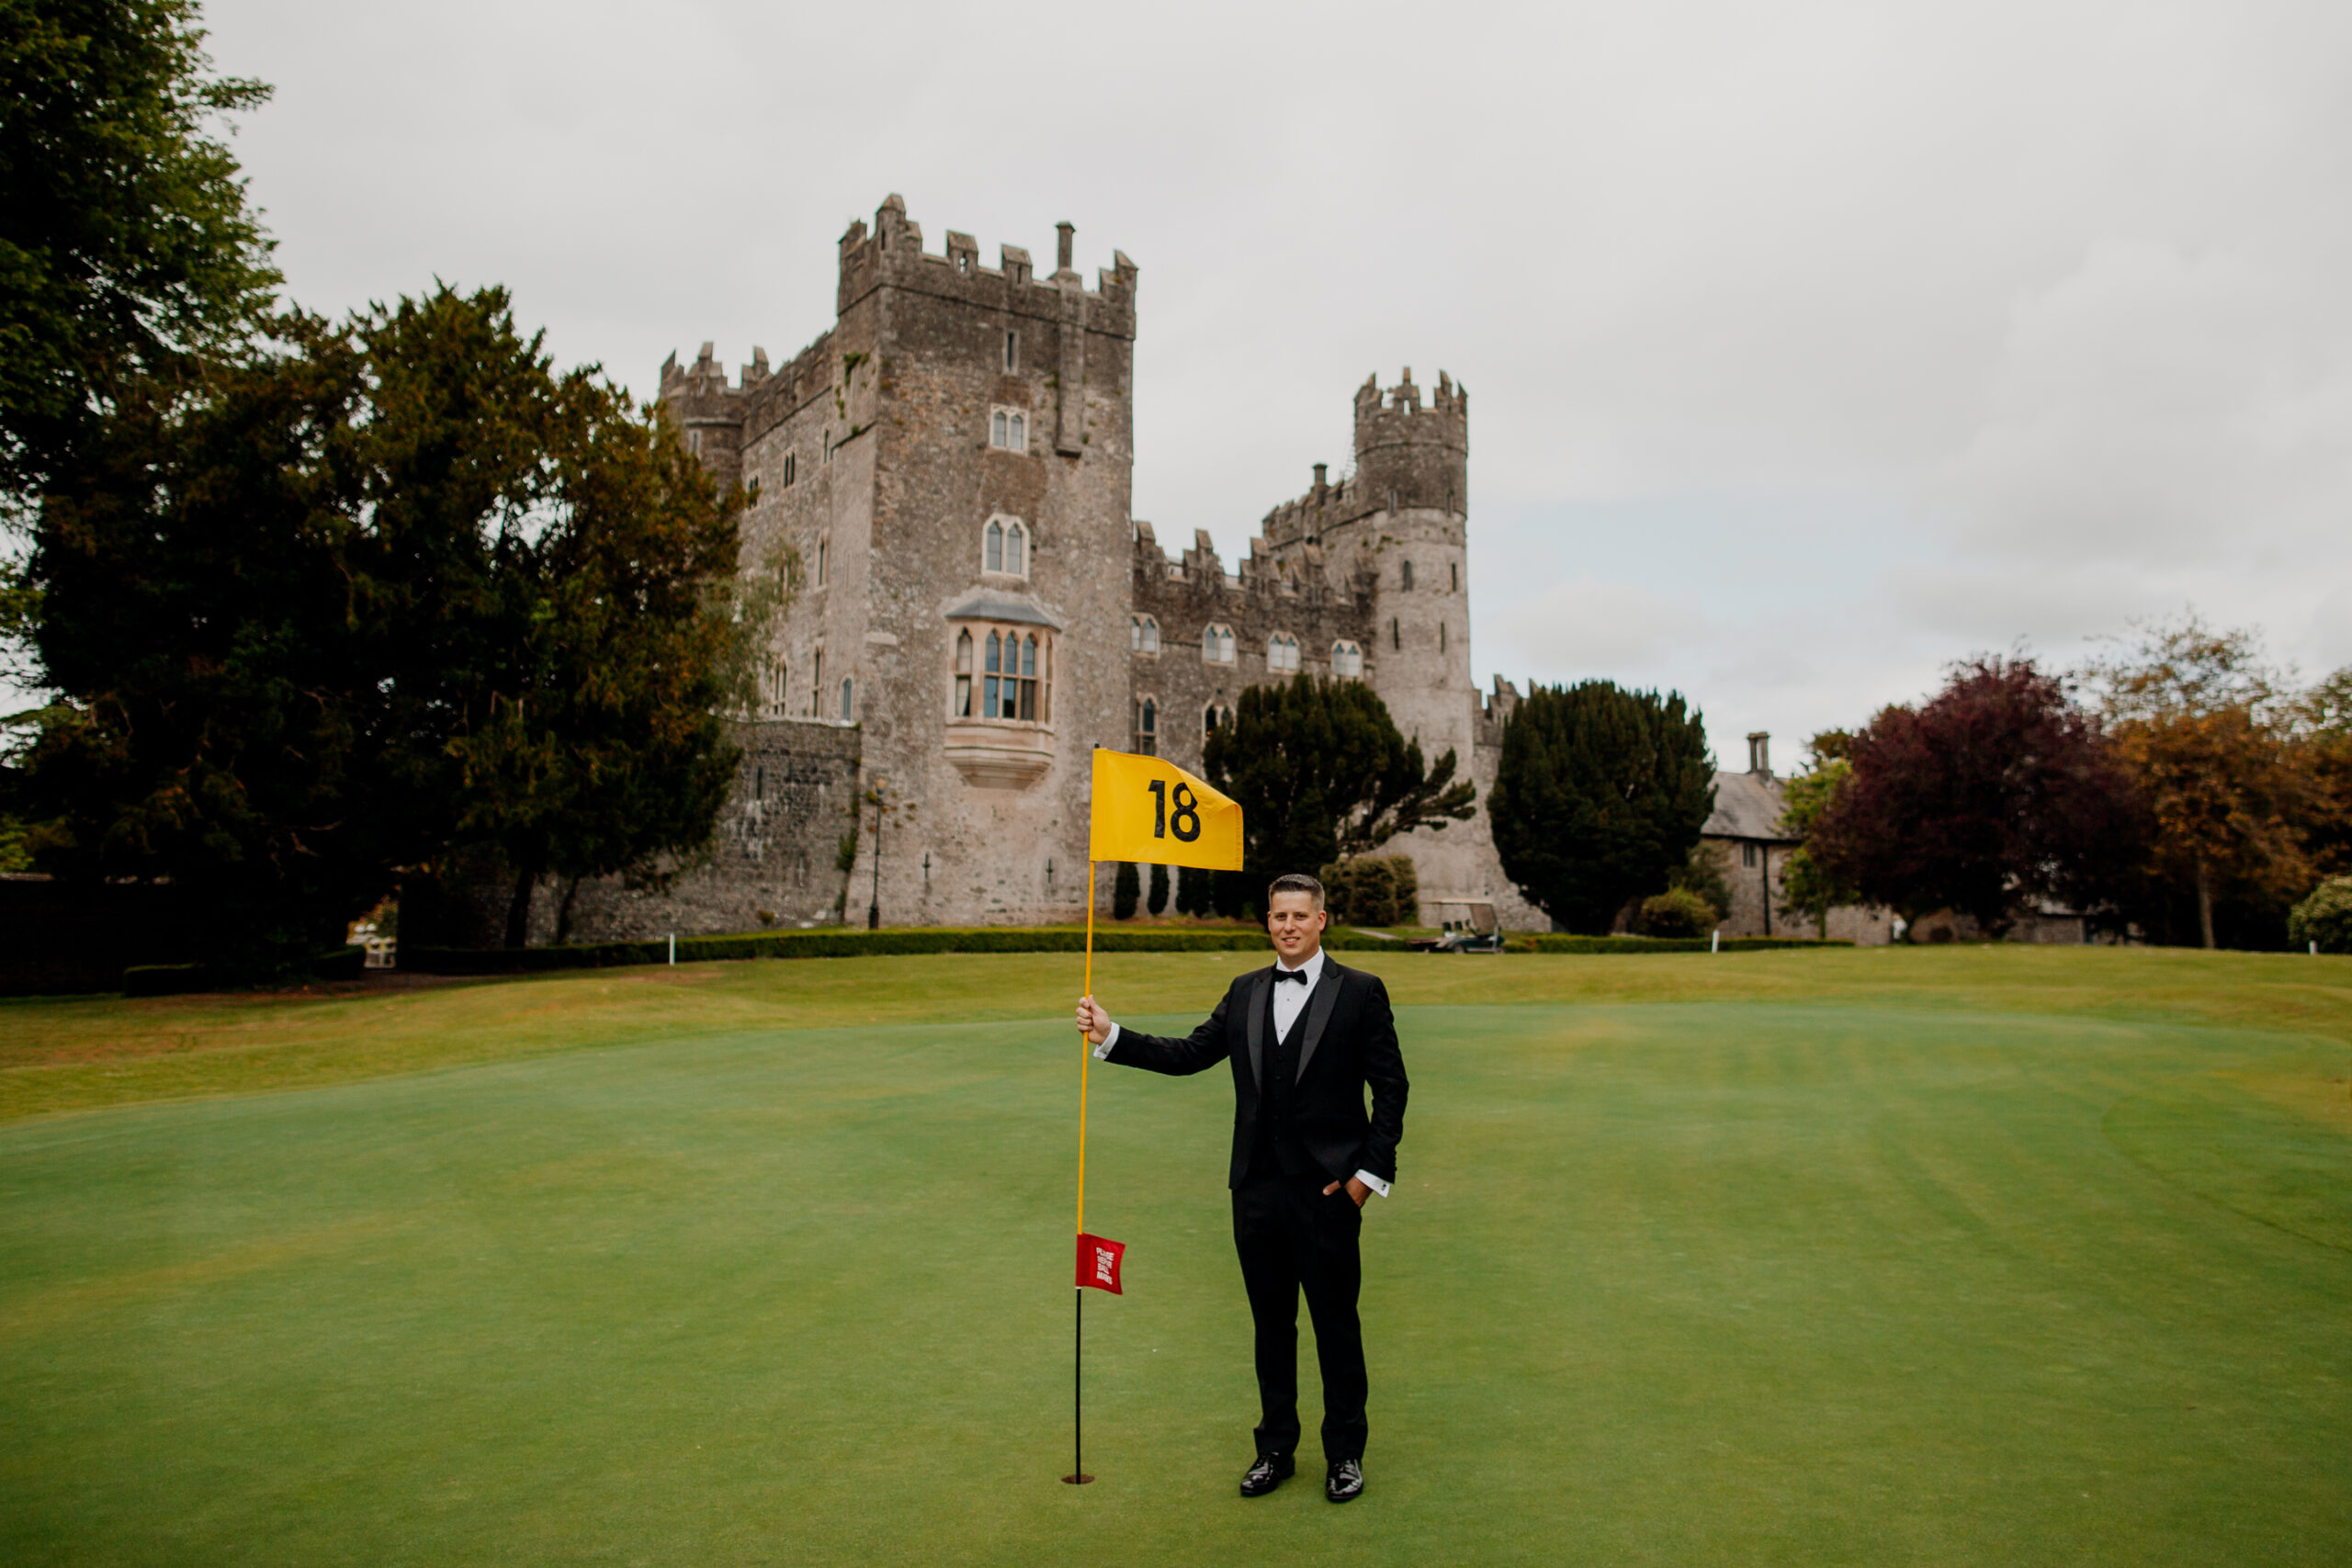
(1294, 882)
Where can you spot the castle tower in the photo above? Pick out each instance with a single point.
(950, 465)
(1392, 536)
(1412, 472)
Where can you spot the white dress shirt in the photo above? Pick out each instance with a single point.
(1290, 1001)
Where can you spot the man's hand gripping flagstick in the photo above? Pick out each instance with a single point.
(1155, 813)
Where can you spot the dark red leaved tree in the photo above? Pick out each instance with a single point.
(1996, 791)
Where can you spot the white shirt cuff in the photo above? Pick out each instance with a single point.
(1363, 1176)
(1103, 1052)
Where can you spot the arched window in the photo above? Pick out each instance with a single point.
(1216, 716)
(1004, 546)
(1009, 429)
(845, 696)
(1015, 676)
(1281, 653)
(1148, 727)
(1143, 635)
(820, 562)
(779, 687)
(1216, 644)
(1347, 661)
(1405, 576)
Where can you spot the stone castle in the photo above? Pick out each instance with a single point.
(951, 467)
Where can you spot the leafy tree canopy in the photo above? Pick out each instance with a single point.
(2212, 735)
(1599, 798)
(126, 250)
(1321, 772)
(393, 589)
(1997, 790)
(1806, 887)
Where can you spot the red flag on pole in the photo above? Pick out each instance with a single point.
(1098, 1262)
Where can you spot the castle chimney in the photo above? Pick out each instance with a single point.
(1320, 469)
(1061, 245)
(1759, 754)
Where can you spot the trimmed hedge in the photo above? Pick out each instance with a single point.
(1560, 943)
(165, 979)
(340, 964)
(834, 941)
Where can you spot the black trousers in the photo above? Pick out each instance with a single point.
(1293, 1238)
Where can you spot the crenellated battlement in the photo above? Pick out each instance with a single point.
(1408, 457)
(1397, 414)
(891, 254)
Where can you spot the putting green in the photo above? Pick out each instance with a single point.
(1674, 1284)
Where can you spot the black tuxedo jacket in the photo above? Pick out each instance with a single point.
(1349, 1042)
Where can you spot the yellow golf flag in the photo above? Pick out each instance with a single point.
(1155, 812)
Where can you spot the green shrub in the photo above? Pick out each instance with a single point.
(1372, 890)
(1193, 892)
(1126, 891)
(1704, 874)
(340, 964)
(2325, 917)
(1157, 902)
(1678, 911)
(165, 979)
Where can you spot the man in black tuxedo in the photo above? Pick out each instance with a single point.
(1304, 1038)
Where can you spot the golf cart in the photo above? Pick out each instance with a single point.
(1470, 927)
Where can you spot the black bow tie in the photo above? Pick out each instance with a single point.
(1297, 975)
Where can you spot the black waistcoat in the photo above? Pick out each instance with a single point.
(1278, 1146)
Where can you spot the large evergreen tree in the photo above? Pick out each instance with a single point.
(394, 589)
(1599, 797)
(1320, 772)
(127, 251)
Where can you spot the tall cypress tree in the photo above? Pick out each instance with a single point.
(1322, 770)
(1599, 797)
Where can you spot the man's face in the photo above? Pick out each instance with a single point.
(1296, 926)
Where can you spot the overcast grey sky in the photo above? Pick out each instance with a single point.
(1810, 345)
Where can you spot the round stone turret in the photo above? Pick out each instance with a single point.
(1410, 458)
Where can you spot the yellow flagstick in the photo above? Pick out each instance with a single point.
(1143, 809)
(1077, 1476)
(1085, 1050)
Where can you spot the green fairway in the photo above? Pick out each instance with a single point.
(1997, 1257)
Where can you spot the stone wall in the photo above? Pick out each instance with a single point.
(773, 862)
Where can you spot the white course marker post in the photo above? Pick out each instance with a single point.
(1715, 940)
(673, 950)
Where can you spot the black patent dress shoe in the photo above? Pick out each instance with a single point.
(1270, 1471)
(1345, 1482)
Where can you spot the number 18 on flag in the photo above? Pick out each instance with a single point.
(1155, 813)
